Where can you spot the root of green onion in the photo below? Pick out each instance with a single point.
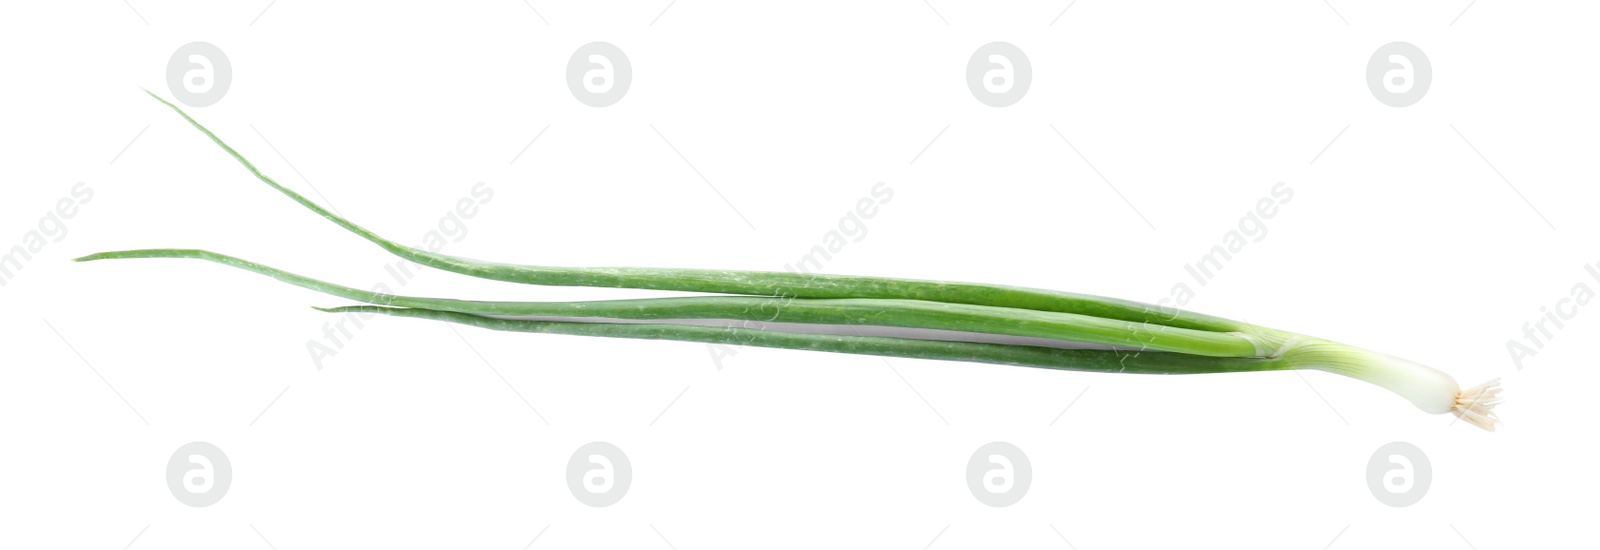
(859, 311)
(1196, 343)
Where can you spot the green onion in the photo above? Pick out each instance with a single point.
(1429, 389)
(758, 283)
(881, 312)
(1144, 338)
(1094, 360)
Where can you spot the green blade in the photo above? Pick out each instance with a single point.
(761, 283)
(1147, 362)
(880, 312)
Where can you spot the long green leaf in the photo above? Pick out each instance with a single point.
(761, 283)
(1147, 362)
(860, 311)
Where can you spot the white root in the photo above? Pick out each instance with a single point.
(1476, 405)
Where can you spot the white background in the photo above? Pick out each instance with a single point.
(1399, 238)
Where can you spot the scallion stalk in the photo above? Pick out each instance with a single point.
(1093, 360)
(1147, 339)
(1429, 389)
(859, 311)
(757, 283)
